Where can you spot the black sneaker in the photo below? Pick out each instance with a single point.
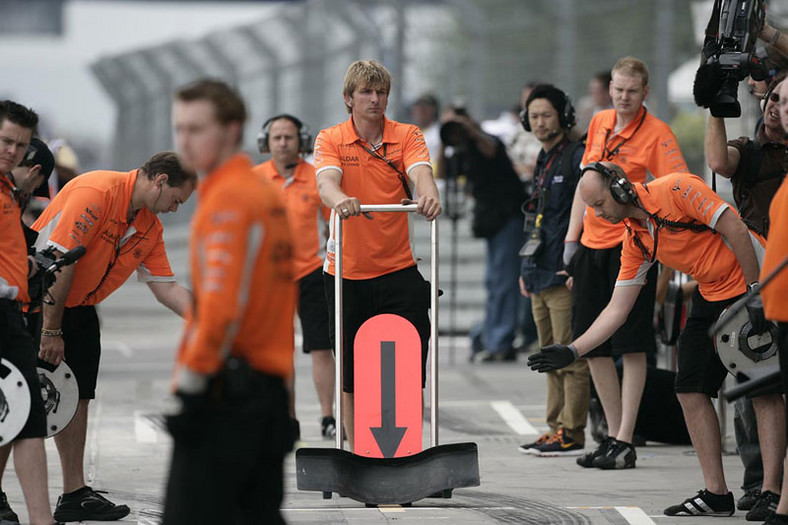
(328, 427)
(6, 513)
(777, 519)
(587, 459)
(87, 504)
(295, 429)
(765, 507)
(747, 501)
(526, 448)
(704, 503)
(619, 455)
(558, 445)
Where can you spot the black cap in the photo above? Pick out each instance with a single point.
(38, 153)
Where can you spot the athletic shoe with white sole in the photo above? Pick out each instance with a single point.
(558, 445)
(704, 503)
(540, 441)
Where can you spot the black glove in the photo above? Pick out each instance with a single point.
(184, 419)
(757, 318)
(553, 357)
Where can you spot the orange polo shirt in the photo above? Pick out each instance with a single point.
(683, 197)
(304, 212)
(242, 276)
(638, 149)
(380, 246)
(91, 211)
(13, 249)
(775, 294)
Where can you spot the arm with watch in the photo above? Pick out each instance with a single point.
(52, 348)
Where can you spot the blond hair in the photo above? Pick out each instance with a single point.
(631, 66)
(366, 73)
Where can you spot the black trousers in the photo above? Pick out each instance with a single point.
(230, 469)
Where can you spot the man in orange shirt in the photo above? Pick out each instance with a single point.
(640, 143)
(284, 138)
(679, 221)
(369, 159)
(16, 129)
(113, 215)
(232, 431)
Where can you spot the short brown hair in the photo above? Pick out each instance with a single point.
(228, 105)
(631, 66)
(366, 73)
(168, 162)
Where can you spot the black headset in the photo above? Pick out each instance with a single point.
(304, 138)
(620, 188)
(566, 119)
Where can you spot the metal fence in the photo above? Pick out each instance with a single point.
(480, 50)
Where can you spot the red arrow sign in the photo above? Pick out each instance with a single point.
(387, 400)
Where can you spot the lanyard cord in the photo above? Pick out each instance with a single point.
(609, 154)
(542, 195)
(401, 177)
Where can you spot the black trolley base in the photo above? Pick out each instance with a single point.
(434, 472)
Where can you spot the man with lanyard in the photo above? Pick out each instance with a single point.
(231, 431)
(639, 143)
(755, 168)
(550, 116)
(113, 215)
(370, 159)
(282, 137)
(679, 221)
(17, 124)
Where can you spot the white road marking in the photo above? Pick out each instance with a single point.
(635, 515)
(513, 417)
(390, 508)
(144, 430)
(92, 439)
(119, 346)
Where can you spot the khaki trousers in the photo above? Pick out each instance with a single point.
(568, 389)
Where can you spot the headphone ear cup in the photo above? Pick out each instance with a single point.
(524, 120)
(568, 118)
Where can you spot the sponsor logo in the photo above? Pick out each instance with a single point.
(81, 226)
(676, 186)
(90, 212)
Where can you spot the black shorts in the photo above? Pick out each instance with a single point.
(404, 292)
(782, 351)
(17, 346)
(82, 339)
(313, 312)
(595, 272)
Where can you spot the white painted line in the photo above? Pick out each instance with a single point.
(92, 441)
(144, 430)
(513, 417)
(635, 515)
(390, 508)
(119, 346)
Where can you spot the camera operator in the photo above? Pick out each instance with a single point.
(756, 169)
(497, 218)
(549, 114)
(774, 294)
(640, 143)
(17, 124)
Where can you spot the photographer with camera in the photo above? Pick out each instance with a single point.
(549, 114)
(497, 218)
(664, 222)
(756, 169)
(640, 143)
(17, 124)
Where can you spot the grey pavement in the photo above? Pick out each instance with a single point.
(498, 406)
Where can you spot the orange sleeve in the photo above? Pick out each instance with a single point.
(666, 156)
(224, 245)
(634, 266)
(326, 153)
(156, 266)
(77, 222)
(415, 150)
(691, 196)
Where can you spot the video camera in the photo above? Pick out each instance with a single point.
(48, 265)
(453, 133)
(729, 56)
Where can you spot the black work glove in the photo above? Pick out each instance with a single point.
(185, 417)
(757, 318)
(553, 357)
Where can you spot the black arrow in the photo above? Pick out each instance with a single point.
(388, 434)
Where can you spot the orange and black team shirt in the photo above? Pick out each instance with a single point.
(305, 214)
(685, 198)
(13, 249)
(91, 211)
(646, 145)
(775, 293)
(242, 278)
(380, 246)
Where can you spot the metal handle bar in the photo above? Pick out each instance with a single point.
(338, 313)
